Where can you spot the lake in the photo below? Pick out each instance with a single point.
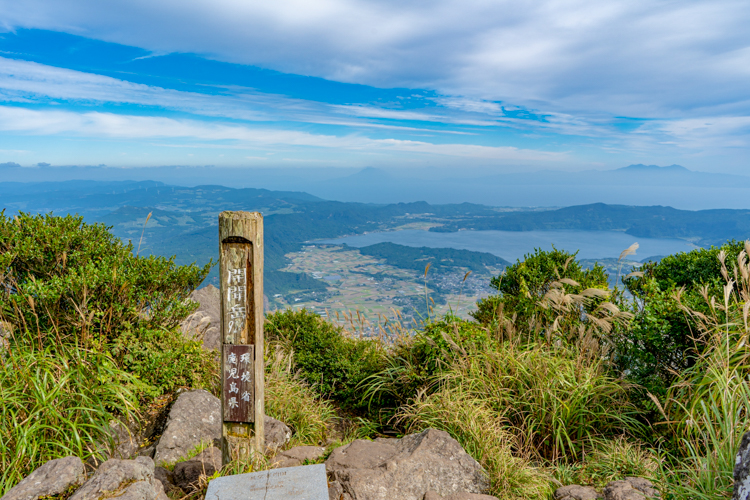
(512, 245)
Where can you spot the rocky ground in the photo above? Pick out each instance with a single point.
(429, 465)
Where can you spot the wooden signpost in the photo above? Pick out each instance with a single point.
(241, 272)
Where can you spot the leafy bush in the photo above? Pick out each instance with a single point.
(558, 400)
(512, 406)
(416, 360)
(662, 340)
(707, 408)
(332, 363)
(89, 331)
(166, 360)
(524, 284)
(64, 282)
(78, 284)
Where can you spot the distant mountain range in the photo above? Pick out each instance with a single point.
(672, 185)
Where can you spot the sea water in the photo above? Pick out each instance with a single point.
(512, 245)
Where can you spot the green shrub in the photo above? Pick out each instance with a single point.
(558, 401)
(68, 282)
(662, 340)
(416, 360)
(91, 331)
(524, 284)
(64, 282)
(329, 361)
(707, 408)
(166, 360)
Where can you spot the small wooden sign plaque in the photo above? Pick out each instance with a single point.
(239, 383)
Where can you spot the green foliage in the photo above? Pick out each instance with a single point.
(523, 285)
(292, 401)
(610, 460)
(55, 403)
(707, 408)
(511, 406)
(692, 269)
(332, 363)
(416, 360)
(560, 400)
(662, 340)
(484, 433)
(166, 360)
(69, 282)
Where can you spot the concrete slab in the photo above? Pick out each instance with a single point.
(307, 482)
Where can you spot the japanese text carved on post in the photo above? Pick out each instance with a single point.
(241, 274)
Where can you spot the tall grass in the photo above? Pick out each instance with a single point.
(513, 405)
(708, 408)
(485, 434)
(291, 400)
(611, 460)
(57, 403)
(557, 401)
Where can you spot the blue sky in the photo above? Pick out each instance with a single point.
(512, 86)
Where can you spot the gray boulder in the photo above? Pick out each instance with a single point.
(52, 478)
(126, 439)
(204, 323)
(297, 456)
(742, 470)
(406, 468)
(631, 488)
(194, 418)
(276, 433)
(167, 481)
(576, 492)
(124, 479)
(187, 474)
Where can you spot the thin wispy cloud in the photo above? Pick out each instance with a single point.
(24, 81)
(97, 124)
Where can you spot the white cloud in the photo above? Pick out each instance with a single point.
(27, 82)
(108, 125)
(397, 114)
(702, 133)
(652, 58)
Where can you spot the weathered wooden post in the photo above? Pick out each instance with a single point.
(241, 272)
